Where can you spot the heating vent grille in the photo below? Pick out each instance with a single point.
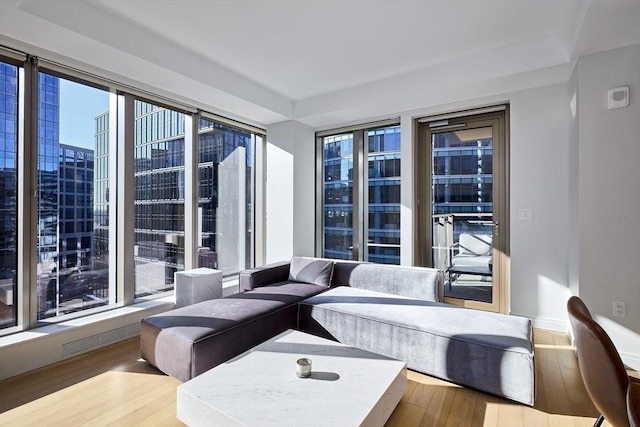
(98, 340)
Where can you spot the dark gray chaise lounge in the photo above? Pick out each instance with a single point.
(188, 341)
(390, 310)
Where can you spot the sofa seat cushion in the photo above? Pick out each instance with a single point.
(190, 340)
(472, 261)
(488, 351)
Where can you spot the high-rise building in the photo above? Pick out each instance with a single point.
(383, 228)
(100, 249)
(225, 192)
(383, 206)
(75, 201)
(48, 167)
(8, 193)
(462, 174)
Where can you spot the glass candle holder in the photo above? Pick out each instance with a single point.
(303, 367)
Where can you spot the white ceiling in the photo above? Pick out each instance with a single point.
(302, 49)
(320, 62)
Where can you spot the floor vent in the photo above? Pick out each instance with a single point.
(98, 340)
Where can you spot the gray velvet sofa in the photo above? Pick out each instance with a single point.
(390, 310)
(188, 341)
(396, 311)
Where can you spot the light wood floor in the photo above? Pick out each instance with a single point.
(112, 386)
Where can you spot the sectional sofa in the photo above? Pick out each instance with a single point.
(390, 310)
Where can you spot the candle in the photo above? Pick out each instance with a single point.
(303, 367)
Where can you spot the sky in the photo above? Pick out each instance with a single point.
(79, 105)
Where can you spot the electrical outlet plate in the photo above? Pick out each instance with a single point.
(619, 309)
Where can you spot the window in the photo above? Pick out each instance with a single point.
(8, 194)
(225, 194)
(373, 234)
(159, 204)
(70, 229)
(71, 277)
(338, 196)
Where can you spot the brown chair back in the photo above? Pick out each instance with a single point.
(602, 370)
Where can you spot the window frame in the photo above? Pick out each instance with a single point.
(360, 194)
(121, 170)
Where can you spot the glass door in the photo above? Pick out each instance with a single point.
(462, 223)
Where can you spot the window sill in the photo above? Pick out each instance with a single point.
(161, 304)
(141, 307)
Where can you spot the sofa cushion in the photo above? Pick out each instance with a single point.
(414, 282)
(472, 261)
(311, 270)
(488, 351)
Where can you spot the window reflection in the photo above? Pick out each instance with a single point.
(338, 196)
(8, 194)
(73, 251)
(383, 209)
(383, 240)
(225, 195)
(159, 197)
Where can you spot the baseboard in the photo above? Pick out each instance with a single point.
(631, 360)
(549, 324)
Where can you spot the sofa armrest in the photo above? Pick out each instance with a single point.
(264, 275)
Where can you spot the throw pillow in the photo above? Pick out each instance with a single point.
(311, 270)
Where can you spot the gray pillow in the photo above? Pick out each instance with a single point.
(311, 270)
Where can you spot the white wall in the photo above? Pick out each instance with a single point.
(290, 191)
(574, 163)
(609, 196)
(574, 186)
(540, 141)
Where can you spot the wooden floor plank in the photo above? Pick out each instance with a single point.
(463, 408)
(113, 387)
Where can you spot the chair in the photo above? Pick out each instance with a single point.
(602, 370)
(633, 403)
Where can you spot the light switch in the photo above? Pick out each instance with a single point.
(525, 214)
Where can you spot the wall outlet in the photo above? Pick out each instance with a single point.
(619, 309)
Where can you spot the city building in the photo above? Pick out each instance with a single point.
(383, 189)
(8, 194)
(225, 236)
(75, 207)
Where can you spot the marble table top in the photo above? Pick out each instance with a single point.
(347, 387)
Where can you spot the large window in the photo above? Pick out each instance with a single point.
(8, 194)
(361, 205)
(383, 239)
(114, 177)
(338, 196)
(159, 145)
(225, 197)
(72, 253)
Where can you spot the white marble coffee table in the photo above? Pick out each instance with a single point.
(348, 387)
